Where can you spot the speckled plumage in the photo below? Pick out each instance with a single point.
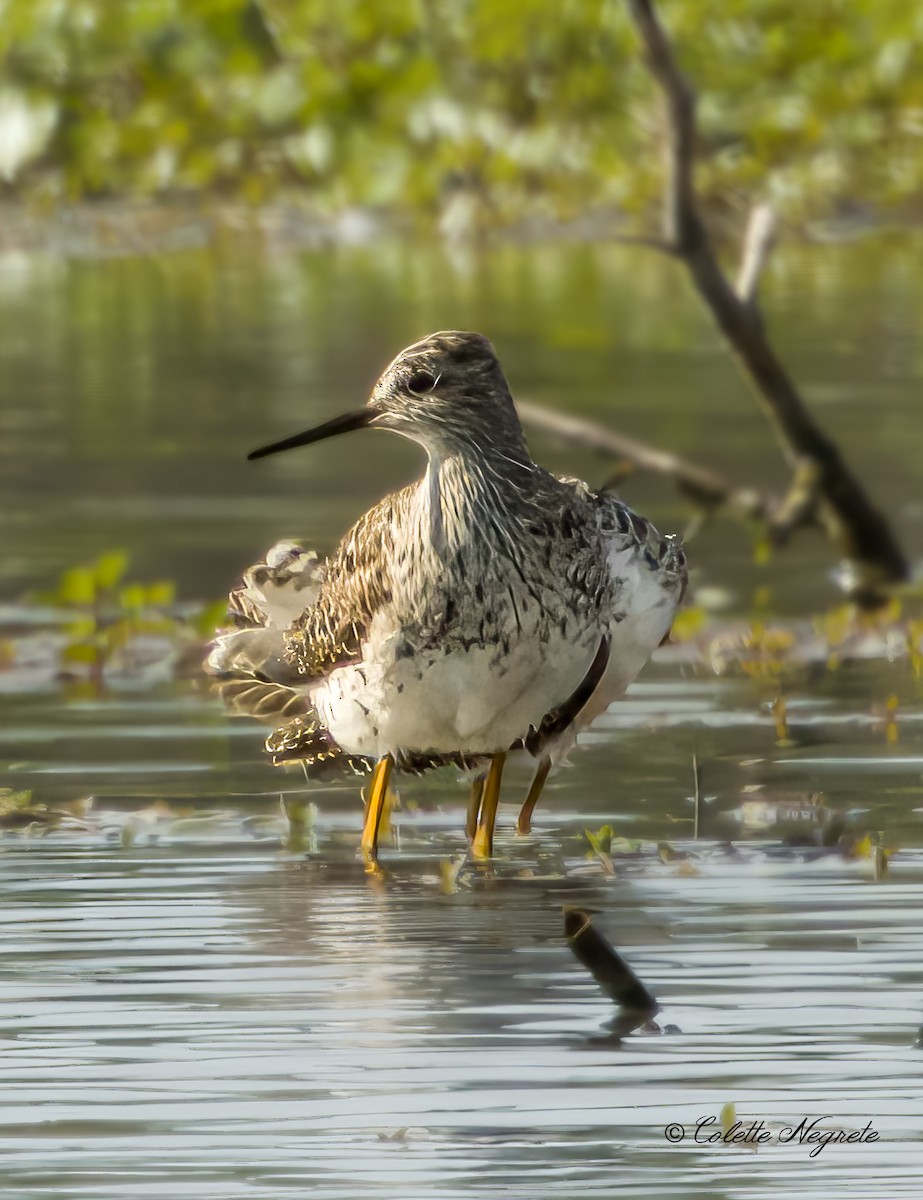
(465, 614)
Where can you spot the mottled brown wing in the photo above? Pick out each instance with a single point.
(277, 590)
(243, 611)
(248, 658)
(356, 584)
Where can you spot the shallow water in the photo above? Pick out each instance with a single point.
(189, 1009)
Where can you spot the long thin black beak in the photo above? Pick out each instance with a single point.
(345, 424)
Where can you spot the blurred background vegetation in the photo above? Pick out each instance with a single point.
(144, 355)
(466, 111)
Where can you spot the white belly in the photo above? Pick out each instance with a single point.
(470, 701)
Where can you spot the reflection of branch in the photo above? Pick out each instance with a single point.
(844, 509)
(705, 487)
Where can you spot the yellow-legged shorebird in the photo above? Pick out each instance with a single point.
(489, 607)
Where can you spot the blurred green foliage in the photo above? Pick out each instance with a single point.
(106, 615)
(520, 108)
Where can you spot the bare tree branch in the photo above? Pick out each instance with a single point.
(865, 539)
(681, 223)
(705, 487)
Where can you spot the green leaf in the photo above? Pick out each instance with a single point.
(132, 597)
(81, 631)
(161, 594)
(211, 618)
(110, 568)
(11, 801)
(624, 845)
(77, 587)
(81, 652)
(601, 840)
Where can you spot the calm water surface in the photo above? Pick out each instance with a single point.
(190, 1009)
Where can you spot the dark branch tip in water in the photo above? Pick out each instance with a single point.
(576, 921)
(606, 965)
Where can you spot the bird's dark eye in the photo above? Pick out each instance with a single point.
(421, 382)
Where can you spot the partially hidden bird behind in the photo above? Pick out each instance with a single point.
(490, 606)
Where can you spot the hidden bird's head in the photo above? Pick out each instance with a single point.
(447, 392)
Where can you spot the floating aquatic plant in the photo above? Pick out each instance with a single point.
(20, 811)
(767, 648)
(96, 625)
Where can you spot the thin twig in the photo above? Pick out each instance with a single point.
(706, 487)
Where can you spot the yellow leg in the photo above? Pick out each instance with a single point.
(524, 821)
(378, 790)
(474, 806)
(483, 844)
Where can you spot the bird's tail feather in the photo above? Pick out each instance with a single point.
(249, 696)
(305, 739)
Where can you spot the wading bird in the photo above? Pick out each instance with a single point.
(489, 607)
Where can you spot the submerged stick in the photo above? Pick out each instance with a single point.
(606, 965)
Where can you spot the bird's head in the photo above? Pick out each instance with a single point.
(447, 392)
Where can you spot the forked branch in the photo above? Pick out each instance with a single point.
(873, 557)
